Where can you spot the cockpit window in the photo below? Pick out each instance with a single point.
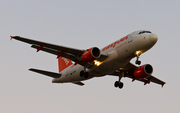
(141, 32)
(148, 31)
(144, 32)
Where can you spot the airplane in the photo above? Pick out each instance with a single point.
(76, 65)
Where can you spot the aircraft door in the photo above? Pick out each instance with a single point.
(130, 38)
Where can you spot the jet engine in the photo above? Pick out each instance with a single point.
(143, 71)
(91, 54)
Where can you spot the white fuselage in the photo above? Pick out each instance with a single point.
(119, 54)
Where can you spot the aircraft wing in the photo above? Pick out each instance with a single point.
(130, 68)
(66, 52)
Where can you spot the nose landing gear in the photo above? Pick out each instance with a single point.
(138, 53)
(137, 61)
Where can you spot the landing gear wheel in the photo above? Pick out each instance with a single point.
(138, 62)
(121, 85)
(116, 84)
(86, 75)
(81, 73)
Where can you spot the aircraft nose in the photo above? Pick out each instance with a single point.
(153, 38)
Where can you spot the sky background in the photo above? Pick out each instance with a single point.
(83, 24)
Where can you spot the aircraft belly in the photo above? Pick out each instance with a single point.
(111, 64)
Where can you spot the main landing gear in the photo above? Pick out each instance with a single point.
(138, 53)
(119, 83)
(84, 74)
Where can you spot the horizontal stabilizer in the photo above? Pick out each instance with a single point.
(78, 83)
(47, 73)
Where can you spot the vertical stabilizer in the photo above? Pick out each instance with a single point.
(63, 63)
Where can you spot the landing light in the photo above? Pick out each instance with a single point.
(138, 53)
(97, 63)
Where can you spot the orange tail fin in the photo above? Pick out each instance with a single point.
(63, 63)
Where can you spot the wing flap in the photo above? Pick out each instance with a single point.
(55, 52)
(47, 73)
(156, 80)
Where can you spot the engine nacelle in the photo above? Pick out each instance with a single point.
(143, 71)
(90, 54)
